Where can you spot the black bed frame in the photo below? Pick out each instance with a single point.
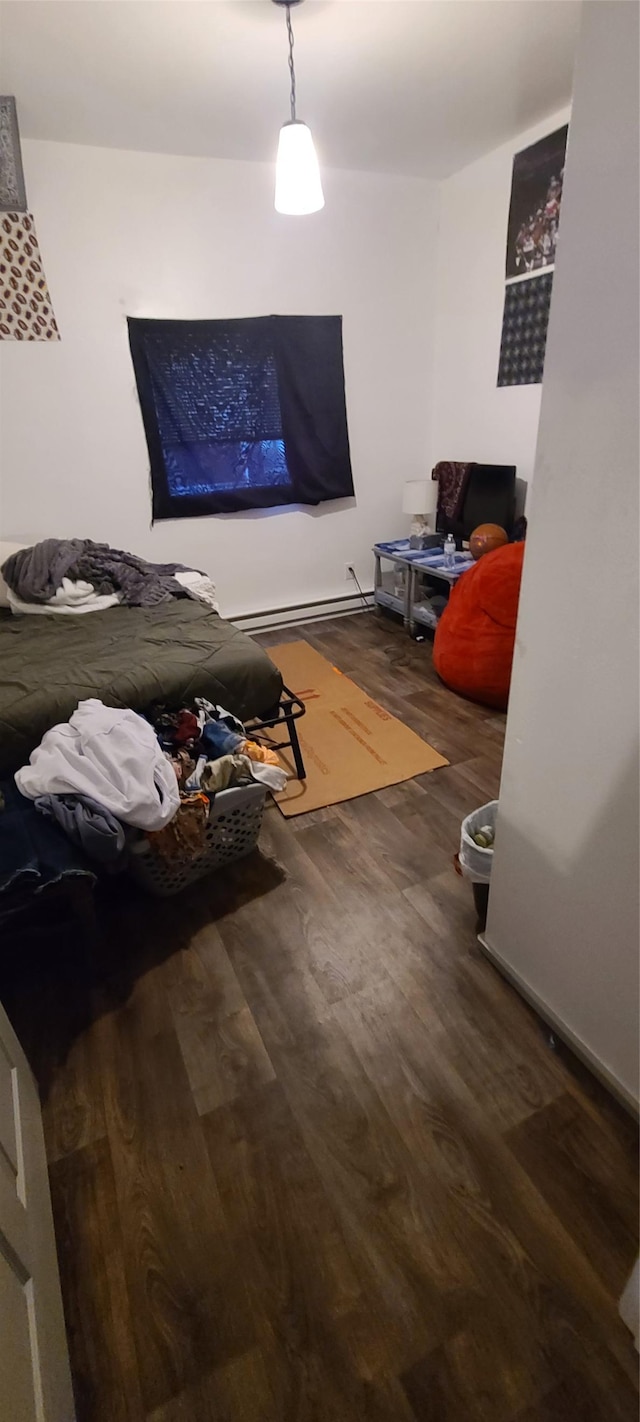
(289, 710)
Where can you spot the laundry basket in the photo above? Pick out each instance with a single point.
(232, 831)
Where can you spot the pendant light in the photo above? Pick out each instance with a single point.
(298, 185)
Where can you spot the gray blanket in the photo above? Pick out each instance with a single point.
(35, 573)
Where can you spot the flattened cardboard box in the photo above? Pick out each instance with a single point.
(350, 745)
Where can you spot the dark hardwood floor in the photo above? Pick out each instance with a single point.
(312, 1159)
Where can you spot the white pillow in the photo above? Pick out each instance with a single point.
(6, 550)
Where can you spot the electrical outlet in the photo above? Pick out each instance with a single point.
(349, 573)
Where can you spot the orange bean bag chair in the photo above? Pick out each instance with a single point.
(475, 637)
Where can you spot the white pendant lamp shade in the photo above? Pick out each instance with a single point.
(298, 185)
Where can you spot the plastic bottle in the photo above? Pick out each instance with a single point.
(450, 552)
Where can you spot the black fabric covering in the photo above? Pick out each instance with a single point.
(242, 414)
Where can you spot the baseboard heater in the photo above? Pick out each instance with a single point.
(298, 612)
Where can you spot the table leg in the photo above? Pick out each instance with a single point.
(409, 599)
(377, 576)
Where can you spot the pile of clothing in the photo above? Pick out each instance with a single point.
(107, 773)
(75, 575)
(34, 852)
(99, 772)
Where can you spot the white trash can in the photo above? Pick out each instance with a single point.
(473, 861)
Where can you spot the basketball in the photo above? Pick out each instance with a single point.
(485, 538)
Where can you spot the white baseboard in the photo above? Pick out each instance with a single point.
(563, 1031)
(303, 612)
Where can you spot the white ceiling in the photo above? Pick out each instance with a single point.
(398, 86)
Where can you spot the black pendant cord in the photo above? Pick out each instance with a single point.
(291, 65)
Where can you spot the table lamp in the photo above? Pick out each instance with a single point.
(420, 499)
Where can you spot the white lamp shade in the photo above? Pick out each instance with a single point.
(298, 185)
(420, 496)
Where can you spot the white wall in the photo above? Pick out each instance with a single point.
(127, 233)
(472, 419)
(563, 910)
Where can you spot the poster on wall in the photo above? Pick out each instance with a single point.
(534, 211)
(524, 331)
(532, 238)
(13, 197)
(26, 313)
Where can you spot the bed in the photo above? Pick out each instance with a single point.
(125, 656)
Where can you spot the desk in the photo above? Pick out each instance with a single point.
(407, 588)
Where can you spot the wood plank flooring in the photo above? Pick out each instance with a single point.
(312, 1159)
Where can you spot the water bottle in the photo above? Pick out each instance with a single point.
(450, 552)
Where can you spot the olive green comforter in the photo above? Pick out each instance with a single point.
(126, 656)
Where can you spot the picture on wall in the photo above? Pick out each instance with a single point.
(26, 313)
(532, 238)
(13, 197)
(524, 330)
(534, 212)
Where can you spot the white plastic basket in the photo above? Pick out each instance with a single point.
(474, 861)
(232, 831)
